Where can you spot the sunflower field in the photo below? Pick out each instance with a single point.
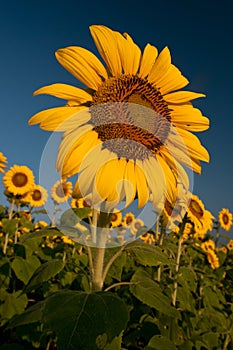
(94, 274)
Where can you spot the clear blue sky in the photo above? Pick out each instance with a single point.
(198, 33)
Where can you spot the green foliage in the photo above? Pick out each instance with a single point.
(147, 302)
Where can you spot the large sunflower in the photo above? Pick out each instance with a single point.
(18, 180)
(225, 219)
(3, 161)
(129, 130)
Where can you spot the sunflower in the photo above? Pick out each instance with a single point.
(3, 160)
(225, 219)
(147, 238)
(212, 259)
(18, 180)
(201, 218)
(81, 202)
(208, 245)
(37, 196)
(135, 226)
(230, 245)
(115, 218)
(61, 191)
(129, 130)
(40, 225)
(128, 218)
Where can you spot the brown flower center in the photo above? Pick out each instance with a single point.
(130, 116)
(87, 203)
(114, 217)
(225, 219)
(36, 195)
(196, 209)
(19, 179)
(129, 219)
(61, 190)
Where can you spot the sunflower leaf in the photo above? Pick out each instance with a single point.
(85, 320)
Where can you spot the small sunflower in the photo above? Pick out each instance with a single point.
(3, 161)
(61, 191)
(115, 218)
(224, 249)
(208, 245)
(128, 218)
(40, 224)
(201, 218)
(225, 219)
(147, 238)
(230, 245)
(81, 202)
(135, 226)
(212, 259)
(37, 196)
(129, 131)
(18, 180)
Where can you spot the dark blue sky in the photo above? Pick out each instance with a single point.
(198, 33)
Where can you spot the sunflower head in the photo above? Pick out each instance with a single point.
(37, 196)
(225, 219)
(115, 218)
(61, 191)
(129, 132)
(18, 180)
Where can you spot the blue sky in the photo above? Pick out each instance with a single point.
(198, 33)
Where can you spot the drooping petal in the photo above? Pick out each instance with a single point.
(181, 96)
(149, 56)
(189, 118)
(82, 64)
(106, 42)
(172, 80)
(142, 186)
(66, 92)
(171, 182)
(130, 182)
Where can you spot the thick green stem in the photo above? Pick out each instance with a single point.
(179, 251)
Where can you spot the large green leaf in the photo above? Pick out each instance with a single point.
(149, 292)
(31, 315)
(83, 320)
(147, 255)
(44, 272)
(11, 304)
(24, 269)
(9, 226)
(159, 342)
(42, 233)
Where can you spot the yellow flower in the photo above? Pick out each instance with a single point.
(37, 196)
(201, 218)
(128, 218)
(135, 225)
(18, 180)
(115, 218)
(208, 245)
(147, 238)
(40, 225)
(129, 124)
(224, 249)
(3, 160)
(212, 259)
(225, 219)
(61, 191)
(67, 240)
(230, 245)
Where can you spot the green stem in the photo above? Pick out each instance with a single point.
(11, 209)
(179, 251)
(110, 262)
(5, 243)
(118, 284)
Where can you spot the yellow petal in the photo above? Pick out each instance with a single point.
(155, 178)
(129, 182)
(187, 117)
(130, 53)
(142, 186)
(149, 56)
(106, 42)
(181, 96)
(53, 118)
(170, 179)
(193, 144)
(66, 92)
(160, 66)
(171, 80)
(67, 142)
(83, 65)
(78, 151)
